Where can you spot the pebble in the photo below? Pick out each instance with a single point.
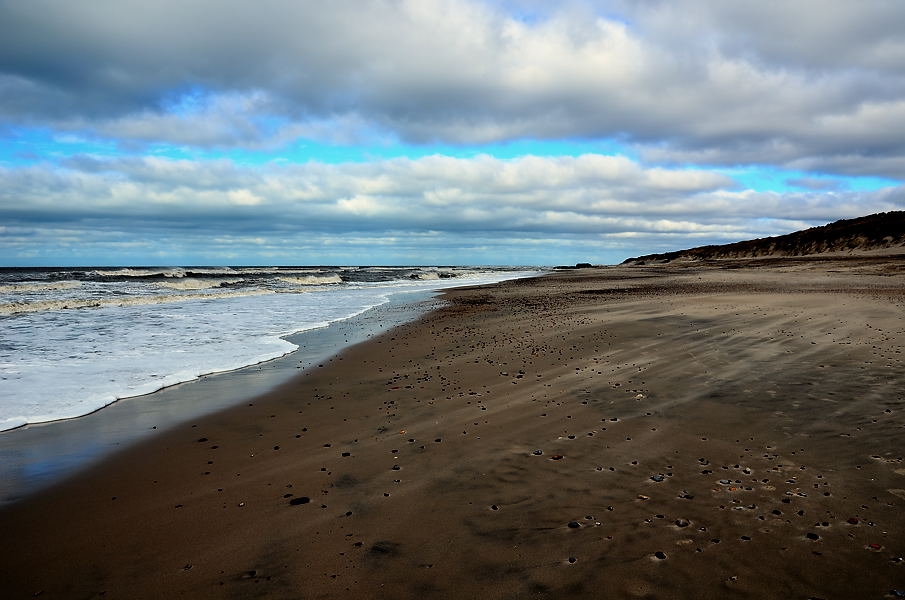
(658, 478)
(537, 452)
(300, 500)
(574, 524)
(660, 554)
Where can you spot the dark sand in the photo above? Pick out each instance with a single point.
(671, 431)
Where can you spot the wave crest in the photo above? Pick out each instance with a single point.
(12, 308)
(313, 280)
(175, 272)
(197, 284)
(19, 288)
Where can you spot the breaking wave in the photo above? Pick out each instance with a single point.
(313, 279)
(12, 308)
(197, 284)
(24, 288)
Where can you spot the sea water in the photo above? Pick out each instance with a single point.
(75, 340)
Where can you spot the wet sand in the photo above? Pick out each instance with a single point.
(39, 455)
(663, 431)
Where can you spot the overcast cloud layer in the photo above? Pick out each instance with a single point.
(167, 131)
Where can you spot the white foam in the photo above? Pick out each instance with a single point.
(11, 308)
(313, 280)
(58, 364)
(167, 272)
(24, 288)
(427, 276)
(192, 283)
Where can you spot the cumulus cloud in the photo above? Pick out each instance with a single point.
(805, 34)
(716, 83)
(613, 205)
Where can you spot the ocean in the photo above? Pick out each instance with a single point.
(73, 340)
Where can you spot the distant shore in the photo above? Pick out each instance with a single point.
(662, 431)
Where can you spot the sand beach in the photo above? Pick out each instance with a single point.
(701, 429)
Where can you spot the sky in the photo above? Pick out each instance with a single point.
(506, 132)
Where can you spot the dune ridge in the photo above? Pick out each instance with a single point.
(881, 232)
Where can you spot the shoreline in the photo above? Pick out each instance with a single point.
(38, 455)
(143, 338)
(671, 431)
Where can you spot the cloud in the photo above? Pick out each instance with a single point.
(689, 81)
(806, 34)
(809, 94)
(452, 209)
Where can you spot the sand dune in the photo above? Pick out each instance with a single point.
(878, 234)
